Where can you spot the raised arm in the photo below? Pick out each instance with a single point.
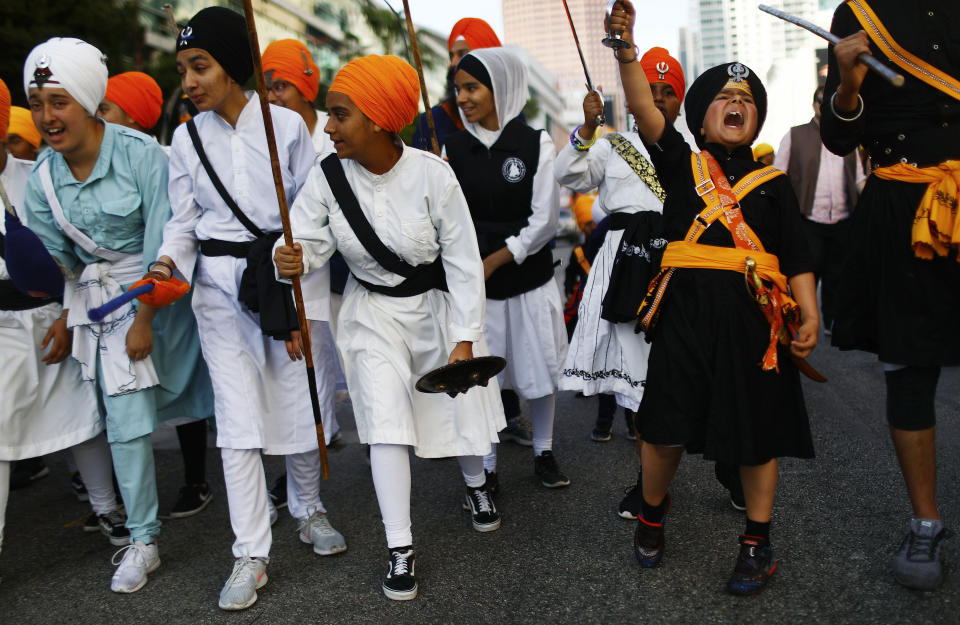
(636, 88)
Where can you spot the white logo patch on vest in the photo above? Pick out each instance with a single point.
(513, 169)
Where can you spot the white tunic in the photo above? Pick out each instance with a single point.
(43, 408)
(261, 397)
(605, 357)
(528, 329)
(419, 212)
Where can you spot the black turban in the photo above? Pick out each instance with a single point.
(222, 33)
(475, 67)
(706, 87)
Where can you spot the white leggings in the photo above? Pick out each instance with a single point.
(96, 468)
(542, 411)
(390, 466)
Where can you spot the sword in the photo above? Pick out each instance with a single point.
(888, 74)
(600, 120)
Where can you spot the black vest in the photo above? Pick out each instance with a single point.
(498, 185)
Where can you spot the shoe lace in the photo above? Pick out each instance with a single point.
(400, 564)
(132, 551)
(320, 524)
(922, 545)
(242, 565)
(482, 498)
(115, 517)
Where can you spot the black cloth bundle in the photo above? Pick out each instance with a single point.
(636, 263)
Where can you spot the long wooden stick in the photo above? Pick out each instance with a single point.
(423, 85)
(888, 74)
(287, 233)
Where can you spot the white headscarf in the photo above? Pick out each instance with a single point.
(508, 74)
(75, 66)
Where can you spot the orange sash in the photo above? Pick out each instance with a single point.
(910, 63)
(936, 229)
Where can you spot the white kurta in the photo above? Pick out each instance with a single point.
(528, 329)
(606, 357)
(43, 408)
(261, 399)
(419, 212)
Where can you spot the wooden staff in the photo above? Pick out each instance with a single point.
(423, 85)
(287, 234)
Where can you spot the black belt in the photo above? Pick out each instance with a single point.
(428, 278)
(11, 298)
(216, 247)
(619, 221)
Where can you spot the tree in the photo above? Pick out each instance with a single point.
(112, 26)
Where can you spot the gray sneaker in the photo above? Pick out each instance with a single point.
(240, 591)
(518, 431)
(316, 530)
(918, 564)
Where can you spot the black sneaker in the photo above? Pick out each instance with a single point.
(729, 476)
(755, 565)
(546, 467)
(26, 472)
(631, 418)
(630, 505)
(278, 492)
(401, 582)
(517, 431)
(648, 539)
(79, 488)
(193, 498)
(113, 526)
(600, 435)
(493, 482)
(91, 523)
(484, 511)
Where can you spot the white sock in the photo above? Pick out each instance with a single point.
(472, 469)
(490, 460)
(96, 468)
(390, 467)
(542, 411)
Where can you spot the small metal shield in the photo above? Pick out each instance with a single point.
(461, 376)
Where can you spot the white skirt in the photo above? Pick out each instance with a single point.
(261, 397)
(387, 344)
(605, 357)
(43, 408)
(528, 331)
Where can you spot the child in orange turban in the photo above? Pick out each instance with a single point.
(23, 138)
(293, 80)
(133, 99)
(398, 323)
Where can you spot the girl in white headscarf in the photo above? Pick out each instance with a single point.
(505, 168)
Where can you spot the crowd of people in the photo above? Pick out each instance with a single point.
(410, 260)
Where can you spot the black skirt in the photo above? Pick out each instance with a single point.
(705, 389)
(891, 303)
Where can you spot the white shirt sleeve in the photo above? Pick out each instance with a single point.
(179, 234)
(542, 225)
(310, 222)
(582, 171)
(782, 158)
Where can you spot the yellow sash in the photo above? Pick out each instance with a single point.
(910, 63)
(936, 229)
(681, 254)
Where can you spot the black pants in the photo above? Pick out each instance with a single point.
(828, 247)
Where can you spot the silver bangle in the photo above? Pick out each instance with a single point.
(636, 55)
(833, 107)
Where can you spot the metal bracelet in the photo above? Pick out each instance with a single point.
(833, 107)
(636, 55)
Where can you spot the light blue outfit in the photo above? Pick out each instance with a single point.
(123, 206)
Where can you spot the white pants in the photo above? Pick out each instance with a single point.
(95, 464)
(248, 500)
(4, 493)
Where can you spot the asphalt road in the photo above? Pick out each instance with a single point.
(561, 556)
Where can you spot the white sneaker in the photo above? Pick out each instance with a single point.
(138, 560)
(240, 591)
(274, 515)
(316, 530)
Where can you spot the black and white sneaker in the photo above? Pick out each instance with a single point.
(113, 526)
(91, 523)
(193, 498)
(484, 511)
(546, 467)
(78, 487)
(493, 482)
(401, 582)
(632, 502)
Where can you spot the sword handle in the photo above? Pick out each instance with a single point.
(600, 120)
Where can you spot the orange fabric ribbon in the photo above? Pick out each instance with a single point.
(936, 229)
(164, 293)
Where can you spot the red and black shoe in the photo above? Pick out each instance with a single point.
(755, 565)
(648, 539)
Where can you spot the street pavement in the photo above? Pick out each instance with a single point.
(561, 556)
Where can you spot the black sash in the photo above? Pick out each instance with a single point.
(12, 299)
(259, 290)
(419, 278)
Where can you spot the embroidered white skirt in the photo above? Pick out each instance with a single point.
(528, 331)
(387, 344)
(605, 357)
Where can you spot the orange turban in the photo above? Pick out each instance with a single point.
(659, 66)
(583, 210)
(478, 34)
(138, 95)
(290, 60)
(386, 88)
(4, 108)
(21, 124)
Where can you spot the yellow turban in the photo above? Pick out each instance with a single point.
(583, 210)
(21, 124)
(385, 88)
(761, 150)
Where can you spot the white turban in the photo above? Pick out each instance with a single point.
(71, 64)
